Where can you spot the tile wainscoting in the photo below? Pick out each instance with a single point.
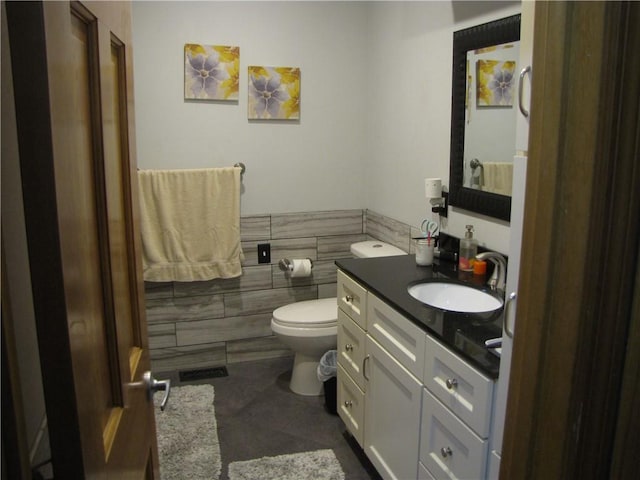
(203, 324)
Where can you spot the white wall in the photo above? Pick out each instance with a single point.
(311, 165)
(410, 55)
(375, 102)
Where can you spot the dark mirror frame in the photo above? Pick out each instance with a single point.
(497, 32)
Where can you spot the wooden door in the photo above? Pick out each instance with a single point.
(72, 65)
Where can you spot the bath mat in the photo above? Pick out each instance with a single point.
(187, 434)
(316, 465)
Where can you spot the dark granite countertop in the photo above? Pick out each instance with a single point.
(463, 333)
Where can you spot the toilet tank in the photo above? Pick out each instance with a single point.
(375, 248)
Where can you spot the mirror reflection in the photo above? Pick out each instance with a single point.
(484, 108)
(490, 118)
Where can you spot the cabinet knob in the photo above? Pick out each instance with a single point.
(451, 383)
(446, 452)
(348, 403)
(348, 298)
(348, 347)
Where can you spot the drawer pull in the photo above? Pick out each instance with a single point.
(451, 383)
(348, 298)
(348, 403)
(446, 452)
(348, 347)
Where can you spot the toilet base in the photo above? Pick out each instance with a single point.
(304, 377)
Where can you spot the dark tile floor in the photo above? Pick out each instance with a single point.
(258, 416)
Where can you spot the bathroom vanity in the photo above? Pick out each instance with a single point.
(415, 383)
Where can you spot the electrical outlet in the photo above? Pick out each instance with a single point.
(264, 253)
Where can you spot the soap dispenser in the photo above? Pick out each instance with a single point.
(468, 250)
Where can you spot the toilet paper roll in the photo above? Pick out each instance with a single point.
(433, 187)
(300, 268)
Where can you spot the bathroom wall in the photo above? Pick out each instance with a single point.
(410, 48)
(19, 320)
(218, 322)
(375, 121)
(314, 164)
(375, 108)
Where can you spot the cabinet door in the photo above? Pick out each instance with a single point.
(392, 415)
(351, 345)
(352, 299)
(351, 405)
(448, 448)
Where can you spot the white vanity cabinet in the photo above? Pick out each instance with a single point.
(380, 363)
(417, 410)
(352, 308)
(456, 416)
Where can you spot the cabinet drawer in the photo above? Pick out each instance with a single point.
(423, 473)
(459, 386)
(403, 339)
(493, 469)
(448, 448)
(352, 298)
(351, 347)
(350, 403)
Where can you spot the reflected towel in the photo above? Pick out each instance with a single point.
(190, 222)
(498, 177)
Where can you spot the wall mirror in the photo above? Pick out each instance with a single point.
(483, 116)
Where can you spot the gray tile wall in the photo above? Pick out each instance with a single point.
(218, 322)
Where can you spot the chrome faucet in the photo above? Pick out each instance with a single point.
(499, 275)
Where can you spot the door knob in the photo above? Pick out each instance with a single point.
(154, 385)
(451, 383)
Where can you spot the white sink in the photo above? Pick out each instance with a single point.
(455, 297)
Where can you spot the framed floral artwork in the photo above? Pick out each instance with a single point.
(274, 93)
(211, 72)
(495, 82)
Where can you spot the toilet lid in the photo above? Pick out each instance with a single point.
(308, 313)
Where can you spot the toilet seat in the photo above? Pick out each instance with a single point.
(308, 314)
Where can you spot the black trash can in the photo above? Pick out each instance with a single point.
(327, 370)
(331, 394)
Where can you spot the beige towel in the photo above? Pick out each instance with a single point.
(190, 223)
(498, 177)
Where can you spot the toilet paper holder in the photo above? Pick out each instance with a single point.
(286, 265)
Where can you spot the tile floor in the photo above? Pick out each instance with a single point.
(258, 416)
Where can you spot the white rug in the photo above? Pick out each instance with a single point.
(316, 465)
(187, 434)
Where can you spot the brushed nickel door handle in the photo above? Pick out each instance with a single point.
(524, 71)
(154, 385)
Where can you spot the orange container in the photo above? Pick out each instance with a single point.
(479, 267)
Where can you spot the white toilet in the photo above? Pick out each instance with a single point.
(309, 328)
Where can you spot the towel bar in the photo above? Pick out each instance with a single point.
(475, 163)
(241, 166)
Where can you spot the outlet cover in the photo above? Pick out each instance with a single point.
(264, 253)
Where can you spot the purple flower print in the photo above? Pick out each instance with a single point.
(206, 73)
(268, 95)
(500, 85)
